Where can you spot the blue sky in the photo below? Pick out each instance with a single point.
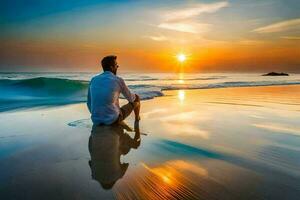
(35, 34)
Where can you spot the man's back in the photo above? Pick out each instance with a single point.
(103, 98)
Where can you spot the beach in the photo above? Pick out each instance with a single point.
(224, 143)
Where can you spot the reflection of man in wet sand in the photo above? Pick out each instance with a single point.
(106, 145)
(104, 92)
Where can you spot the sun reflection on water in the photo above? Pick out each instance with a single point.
(171, 180)
(181, 95)
(181, 81)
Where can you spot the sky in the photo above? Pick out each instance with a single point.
(215, 36)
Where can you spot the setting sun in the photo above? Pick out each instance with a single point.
(181, 57)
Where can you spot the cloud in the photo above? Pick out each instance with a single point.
(188, 27)
(252, 42)
(162, 38)
(194, 11)
(291, 37)
(280, 26)
(183, 20)
(157, 38)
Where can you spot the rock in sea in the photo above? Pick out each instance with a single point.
(276, 74)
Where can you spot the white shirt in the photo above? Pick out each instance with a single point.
(103, 97)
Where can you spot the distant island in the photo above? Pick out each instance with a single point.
(275, 74)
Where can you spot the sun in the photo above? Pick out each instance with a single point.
(181, 57)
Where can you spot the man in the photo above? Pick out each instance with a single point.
(103, 96)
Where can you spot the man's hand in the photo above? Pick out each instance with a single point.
(137, 98)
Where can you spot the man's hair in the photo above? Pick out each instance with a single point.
(107, 62)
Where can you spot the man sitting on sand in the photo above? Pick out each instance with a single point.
(103, 96)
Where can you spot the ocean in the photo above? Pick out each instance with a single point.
(27, 90)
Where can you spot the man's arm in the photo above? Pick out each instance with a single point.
(134, 99)
(89, 100)
(126, 92)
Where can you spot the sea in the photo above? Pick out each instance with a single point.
(27, 90)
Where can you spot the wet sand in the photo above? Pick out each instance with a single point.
(231, 143)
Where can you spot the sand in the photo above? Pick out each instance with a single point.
(231, 143)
